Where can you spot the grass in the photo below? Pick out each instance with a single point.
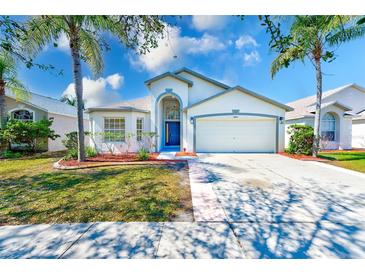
(32, 191)
(354, 160)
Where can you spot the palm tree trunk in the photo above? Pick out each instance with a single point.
(77, 74)
(2, 104)
(317, 117)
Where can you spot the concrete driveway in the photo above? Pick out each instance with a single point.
(279, 207)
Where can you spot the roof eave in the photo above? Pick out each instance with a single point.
(168, 74)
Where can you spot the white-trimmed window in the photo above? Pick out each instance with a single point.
(22, 115)
(114, 129)
(139, 128)
(328, 127)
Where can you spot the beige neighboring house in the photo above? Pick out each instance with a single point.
(342, 117)
(39, 107)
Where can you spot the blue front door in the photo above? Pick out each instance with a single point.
(172, 133)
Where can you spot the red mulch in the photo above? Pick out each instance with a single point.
(303, 157)
(106, 159)
(182, 153)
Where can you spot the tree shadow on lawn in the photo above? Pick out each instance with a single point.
(106, 194)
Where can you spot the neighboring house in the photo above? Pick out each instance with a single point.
(39, 107)
(192, 112)
(342, 116)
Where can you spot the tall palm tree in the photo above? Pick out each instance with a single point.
(9, 80)
(312, 38)
(84, 34)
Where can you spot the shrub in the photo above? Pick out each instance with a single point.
(8, 154)
(143, 154)
(90, 151)
(71, 154)
(301, 139)
(27, 133)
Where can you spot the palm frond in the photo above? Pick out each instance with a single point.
(18, 89)
(346, 34)
(42, 31)
(284, 59)
(90, 51)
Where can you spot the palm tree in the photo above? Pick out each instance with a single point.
(84, 34)
(311, 37)
(9, 81)
(70, 100)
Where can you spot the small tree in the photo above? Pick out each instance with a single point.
(148, 140)
(19, 132)
(301, 139)
(129, 137)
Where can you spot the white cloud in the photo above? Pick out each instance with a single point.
(209, 22)
(63, 43)
(173, 48)
(251, 58)
(95, 92)
(246, 40)
(115, 80)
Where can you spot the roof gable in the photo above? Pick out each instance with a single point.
(168, 74)
(201, 76)
(246, 91)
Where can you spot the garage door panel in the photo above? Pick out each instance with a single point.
(258, 135)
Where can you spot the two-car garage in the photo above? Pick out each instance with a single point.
(237, 120)
(232, 133)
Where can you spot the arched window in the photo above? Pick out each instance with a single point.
(22, 115)
(328, 127)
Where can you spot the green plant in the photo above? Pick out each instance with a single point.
(301, 139)
(90, 151)
(27, 133)
(8, 154)
(143, 154)
(71, 154)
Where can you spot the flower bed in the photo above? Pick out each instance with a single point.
(303, 157)
(108, 159)
(182, 154)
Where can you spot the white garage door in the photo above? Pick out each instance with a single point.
(236, 135)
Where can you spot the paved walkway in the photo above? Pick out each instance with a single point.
(245, 206)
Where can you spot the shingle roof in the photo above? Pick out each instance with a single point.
(140, 104)
(48, 104)
(300, 106)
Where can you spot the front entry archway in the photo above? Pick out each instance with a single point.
(171, 135)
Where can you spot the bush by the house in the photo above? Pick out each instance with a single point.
(28, 134)
(301, 139)
(71, 144)
(8, 154)
(143, 154)
(90, 152)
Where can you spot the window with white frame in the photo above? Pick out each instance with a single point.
(22, 115)
(114, 129)
(139, 128)
(328, 127)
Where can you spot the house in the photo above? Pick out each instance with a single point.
(342, 116)
(38, 107)
(191, 112)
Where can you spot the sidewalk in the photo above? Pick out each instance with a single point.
(120, 240)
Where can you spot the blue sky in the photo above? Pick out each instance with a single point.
(222, 47)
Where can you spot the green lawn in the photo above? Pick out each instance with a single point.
(32, 192)
(354, 160)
